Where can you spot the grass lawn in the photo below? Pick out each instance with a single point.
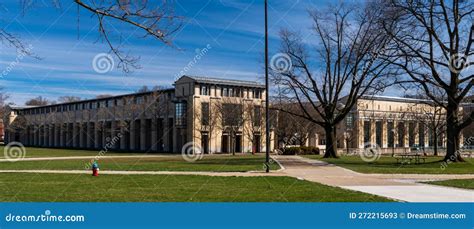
(22, 187)
(215, 163)
(463, 183)
(433, 165)
(50, 152)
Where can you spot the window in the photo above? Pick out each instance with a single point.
(367, 132)
(110, 103)
(257, 94)
(180, 112)
(390, 134)
(139, 100)
(257, 116)
(232, 114)
(225, 92)
(205, 114)
(204, 90)
(401, 134)
(350, 121)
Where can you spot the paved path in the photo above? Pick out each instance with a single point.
(396, 186)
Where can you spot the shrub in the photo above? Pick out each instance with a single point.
(292, 151)
(303, 150)
(309, 150)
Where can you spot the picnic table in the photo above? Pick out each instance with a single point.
(407, 158)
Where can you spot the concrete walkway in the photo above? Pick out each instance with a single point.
(401, 187)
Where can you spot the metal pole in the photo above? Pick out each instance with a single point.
(267, 123)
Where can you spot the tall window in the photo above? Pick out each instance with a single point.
(378, 133)
(205, 114)
(232, 114)
(411, 134)
(257, 116)
(401, 134)
(367, 131)
(390, 133)
(421, 134)
(350, 121)
(180, 112)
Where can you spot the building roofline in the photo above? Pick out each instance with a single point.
(221, 81)
(395, 99)
(92, 100)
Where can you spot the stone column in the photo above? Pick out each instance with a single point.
(384, 134)
(81, 135)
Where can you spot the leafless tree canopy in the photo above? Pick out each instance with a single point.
(68, 99)
(38, 101)
(434, 42)
(154, 19)
(348, 41)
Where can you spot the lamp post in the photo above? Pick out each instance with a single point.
(267, 123)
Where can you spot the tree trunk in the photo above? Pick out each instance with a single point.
(435, 142)
(331, 147)
(453, 133)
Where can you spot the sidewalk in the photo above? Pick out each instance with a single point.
(401, 187)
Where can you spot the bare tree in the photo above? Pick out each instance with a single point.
(103, 96)
(430, 115)
(3, 103)
(434, 42)
(38, 101)
(293, 129)
(230, 113)
(68, 99)
(154, 19)
(350, 41)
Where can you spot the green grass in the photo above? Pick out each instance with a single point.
(462, 183)
(49, 152)
(22, 187)
(433, 165)
(215, 163)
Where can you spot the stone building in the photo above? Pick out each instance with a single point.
(393, 124)
(217, 115)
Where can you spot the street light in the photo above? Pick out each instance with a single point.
(267, 124)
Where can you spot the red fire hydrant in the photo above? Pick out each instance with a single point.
(95, 169)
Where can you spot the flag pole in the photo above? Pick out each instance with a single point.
(267, 123)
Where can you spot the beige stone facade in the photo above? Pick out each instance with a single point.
(158, 121)
(392, 123)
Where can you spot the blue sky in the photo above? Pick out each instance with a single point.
(234, 30)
